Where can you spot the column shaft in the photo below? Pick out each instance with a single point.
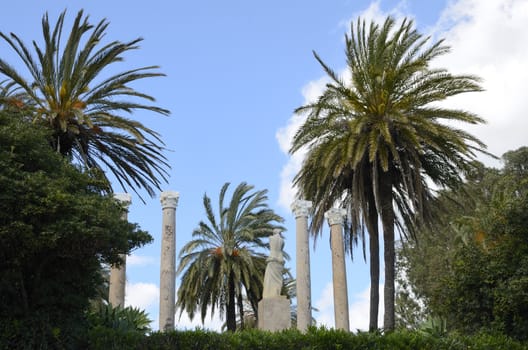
(304, 293)
(169, 202)
(335, 219)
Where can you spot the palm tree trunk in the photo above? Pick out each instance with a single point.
(372, 227)
(387, 220)
(241, 309)
(231, 306)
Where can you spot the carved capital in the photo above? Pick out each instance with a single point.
(301, 208)
(335, 216)
(169, 199)
(125, 199)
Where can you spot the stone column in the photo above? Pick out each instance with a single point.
(335, 218)
(300, 209)
(169, 202)
(116, 292)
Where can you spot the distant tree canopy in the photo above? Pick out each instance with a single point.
(56, 229)
(471, 267)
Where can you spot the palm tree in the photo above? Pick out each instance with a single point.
(226, 258)
(375, 139)
(86, 111)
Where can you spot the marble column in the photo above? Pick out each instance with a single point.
(335, 218)
(169, 202)
(116, 292)
(301, 209)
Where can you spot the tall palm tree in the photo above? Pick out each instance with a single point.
(226, 258)
(70, 92)
(375, 139)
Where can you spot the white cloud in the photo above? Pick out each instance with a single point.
(142, 295)
(359, 310)
(285, 136)
(140, 260)
(325, 305)
(376, 14)
(359, 305)
(488, 39)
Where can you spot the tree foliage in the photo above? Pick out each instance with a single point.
(56, 230)
(71, 91)
(226, 259)
(471, 268)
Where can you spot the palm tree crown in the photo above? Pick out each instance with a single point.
(85, 111)
(226, 256)
(375, 138)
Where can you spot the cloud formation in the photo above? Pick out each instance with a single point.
(141, 260)
(285, 136)
(488, 39)
(142, 295)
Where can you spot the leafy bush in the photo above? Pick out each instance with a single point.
(320, 339)
(57, 229)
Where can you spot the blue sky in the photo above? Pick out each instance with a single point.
(235, 72)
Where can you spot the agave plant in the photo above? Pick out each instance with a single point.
(124, 319)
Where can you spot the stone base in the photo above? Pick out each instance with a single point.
(274, 314)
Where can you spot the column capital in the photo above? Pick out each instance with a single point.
(301, 207)
(125, 199)
(335, 216)
(169, 199)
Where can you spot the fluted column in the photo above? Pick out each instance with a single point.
(116, 292)
(335, 218)
(301, 209)
(169, 202)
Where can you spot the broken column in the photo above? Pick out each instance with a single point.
(117, 284)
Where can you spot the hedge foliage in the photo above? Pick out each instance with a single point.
(315, 339)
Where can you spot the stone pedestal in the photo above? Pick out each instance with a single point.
(169, 202)
(274, 314)
(117, 283)
(335, 218)
(300, 209)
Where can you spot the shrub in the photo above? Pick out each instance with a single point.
(314, 339)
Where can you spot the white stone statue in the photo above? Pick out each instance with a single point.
(275, 266)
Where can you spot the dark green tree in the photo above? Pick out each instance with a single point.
(226, 259)
(56, 232)
(375, 137)
(71, 91)
(471, 267)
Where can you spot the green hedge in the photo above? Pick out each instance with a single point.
(320, 339)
